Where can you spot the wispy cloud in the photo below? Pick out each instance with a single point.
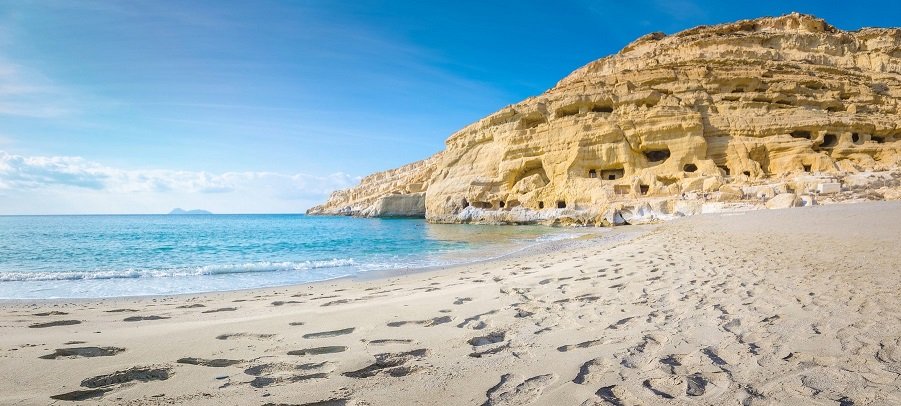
(27, 94)
(61, 173)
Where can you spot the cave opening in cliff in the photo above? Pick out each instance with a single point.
(855, 138)
(878, 140)
(529, 169)
(531, 121)
(690, 168)
(622, 189)
(540, 205)
(465, 203)
(600, 108)
(801, 134)
(561, 204)
(612, 174)
(566, 111)
(829, 141)
(807, 168)
(725, 169)
(501, 204)
(746, 173)
(643, 189)
(657, 155)
(592, 173)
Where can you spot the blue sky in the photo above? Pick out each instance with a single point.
(141, 106)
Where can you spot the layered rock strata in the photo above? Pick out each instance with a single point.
(709, 119)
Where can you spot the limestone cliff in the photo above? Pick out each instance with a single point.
(706, 119)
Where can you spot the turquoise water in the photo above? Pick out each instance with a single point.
(105, 256)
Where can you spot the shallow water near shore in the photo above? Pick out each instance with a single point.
(109, 256)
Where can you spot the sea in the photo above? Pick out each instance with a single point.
(45, 257)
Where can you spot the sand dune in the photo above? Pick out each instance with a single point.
(794, 306)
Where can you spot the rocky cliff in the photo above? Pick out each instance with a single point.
(709, 119)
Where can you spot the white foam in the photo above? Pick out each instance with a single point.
(175, 272)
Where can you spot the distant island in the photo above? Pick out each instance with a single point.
(182, 211)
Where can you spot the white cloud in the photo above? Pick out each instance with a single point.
(101, 188)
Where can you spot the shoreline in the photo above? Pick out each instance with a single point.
(776, 306)
(366, 276)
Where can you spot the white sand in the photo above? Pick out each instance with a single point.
(795, 306)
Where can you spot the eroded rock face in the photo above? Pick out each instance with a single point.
(714, 116)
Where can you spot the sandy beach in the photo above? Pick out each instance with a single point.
(795, 306)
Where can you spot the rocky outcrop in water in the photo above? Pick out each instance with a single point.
(714, 118)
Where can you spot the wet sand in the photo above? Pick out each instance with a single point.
(796, 306)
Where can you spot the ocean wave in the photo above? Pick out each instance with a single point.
(175, 272)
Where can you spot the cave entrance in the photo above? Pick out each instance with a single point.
(561, 204)
(540, 205)
(807, 168)
(725, 169)
(592, 173)
(878, 140)
(612, 174)
(621, 189)
(855, 138)
(501, 204)
(599, 108)
(690, 168)
(657, 155)
(801, 134)
(643, 189)
(829, 141)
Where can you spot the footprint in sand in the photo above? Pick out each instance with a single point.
(327, 334)
(592, 371)
(264, 381)
(145, 318)
(221, 309)
(461, 300)
(319, 350)
(55, 324)
(327, 402)
(283, 302)
(583, 344)
(612, 395)
(492, 338)
(391, 364)
(140, 374)
(426, 323)
(391, 341)
(513, 390)
(281, 367)
(230, 336)
(87, 352)
(279, 372)
(190, 306)
(51, 313)
(476, 322)
(80, 395)
(212, 363)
